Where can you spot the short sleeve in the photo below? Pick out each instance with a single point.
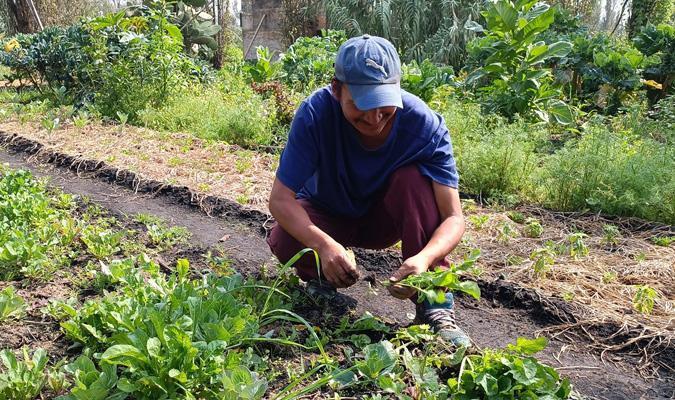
(300, 156)
(440, 165)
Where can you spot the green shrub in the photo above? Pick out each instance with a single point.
(422, 79)
(603, 71)
(507, 63)
(308, 63)
(659, 41)
(605, 171)
(120, 63)
(241, 117)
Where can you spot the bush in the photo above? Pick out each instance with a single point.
(507, 64)
(241, 118)
(659, 41)
(122, 63)
(602, 71)
(495, 159)
(308, 63)
(606, 172)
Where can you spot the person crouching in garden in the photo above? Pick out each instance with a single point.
(366, 165)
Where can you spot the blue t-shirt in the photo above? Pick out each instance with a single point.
(325, 162)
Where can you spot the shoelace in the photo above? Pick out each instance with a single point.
(442, 317)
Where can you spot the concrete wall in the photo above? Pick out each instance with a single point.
(270, 33)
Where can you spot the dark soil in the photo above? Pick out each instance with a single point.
(505, 312)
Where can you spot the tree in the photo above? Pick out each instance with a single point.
(645, 12)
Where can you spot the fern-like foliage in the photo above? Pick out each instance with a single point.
(420, 29)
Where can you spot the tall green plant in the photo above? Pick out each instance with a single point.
(659, 41)
(509, 61)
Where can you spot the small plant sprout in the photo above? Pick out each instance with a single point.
(578, 248)
(11, 305)
(568, 296)
(533, 228)
(664, 241)
(506, 232)
(50, 124)
(644, 299)
(81, 119)
(479, 221)
(610, 235)
(516, 217)
(609, 277)
(122, 118)
(543, 260)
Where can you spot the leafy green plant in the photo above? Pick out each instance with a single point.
(609, 277)
(644, 299)
(479, 221)
(92, 384)
(506, 232)
(264, 69)
(22, 379)
(308, 62)
(508, 62)
(543, 259)
(658, 41)
(510, 374)
(610, 234)
(160, 235)
(577, 247)
(50, 124)
(11, 304)
(431, 285)
(533, 228)
(101, 243)
(516, 217)
(664, 241)
(422, 79)
(37, 232)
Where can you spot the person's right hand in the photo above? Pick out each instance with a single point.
(337, 266)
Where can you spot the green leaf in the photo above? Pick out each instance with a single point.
(123, 354)
(529, 346)
(560, 111)
(469, 287)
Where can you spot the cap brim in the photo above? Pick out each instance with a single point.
(367, 97)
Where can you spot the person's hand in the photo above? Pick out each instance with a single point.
(412, 266)
(337, 265)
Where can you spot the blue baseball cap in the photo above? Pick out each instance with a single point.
(371, 69)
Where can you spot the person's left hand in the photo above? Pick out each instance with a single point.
(412, 266)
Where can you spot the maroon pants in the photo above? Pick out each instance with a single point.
(405, 211)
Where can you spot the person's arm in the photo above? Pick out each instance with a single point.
(445, 238)
(335, 263)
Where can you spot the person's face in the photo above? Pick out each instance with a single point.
(369, 123)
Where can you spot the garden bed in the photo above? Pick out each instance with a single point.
(531, 312)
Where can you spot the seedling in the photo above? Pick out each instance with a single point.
(516, 217)
(543, 260)
(50, 124)
(431, 285)
(101, 243)
(610, 235)
(81, 119)
(577, 248)
(533, 228)
(506, 232)
(644, 299)
(609, 277)
(664, 241)
(122, 118)
(11, 304)
(22, 379)
(479, 221)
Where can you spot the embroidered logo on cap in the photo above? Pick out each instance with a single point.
(375, 65)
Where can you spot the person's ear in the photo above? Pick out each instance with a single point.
(336, 89)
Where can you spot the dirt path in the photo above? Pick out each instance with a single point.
(489, 322)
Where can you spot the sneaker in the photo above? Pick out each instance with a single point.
(320, 289)
(441, 318)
